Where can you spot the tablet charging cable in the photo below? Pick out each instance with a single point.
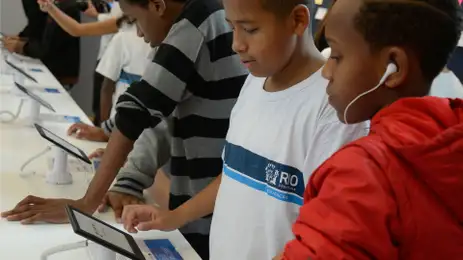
(26, 174)
(63, 248)
(12, 116)
(94, 250)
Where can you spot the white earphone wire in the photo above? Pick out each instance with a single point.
(391, 68)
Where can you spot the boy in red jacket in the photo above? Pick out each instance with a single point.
(397, 193)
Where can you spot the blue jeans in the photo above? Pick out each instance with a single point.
(456, 63)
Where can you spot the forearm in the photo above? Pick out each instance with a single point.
(202, 204)
(106, 98)
(76, 29)
(114, 157)
(66, 22)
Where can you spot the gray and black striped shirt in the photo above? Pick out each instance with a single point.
(196, 77)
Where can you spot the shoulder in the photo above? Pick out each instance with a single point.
(199, 11)
(364, 159)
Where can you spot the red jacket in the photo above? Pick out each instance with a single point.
(395, 194)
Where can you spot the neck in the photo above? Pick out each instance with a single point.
(305, 61)
(173, 10)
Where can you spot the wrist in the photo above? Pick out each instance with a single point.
(183, 215)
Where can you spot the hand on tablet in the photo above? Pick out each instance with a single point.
(33, 210)
(147, 217)
(88, 132)
(98, 153)
(118, 201)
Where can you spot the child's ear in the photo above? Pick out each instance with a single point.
(159, 6)
(301, 19)
(399, 57)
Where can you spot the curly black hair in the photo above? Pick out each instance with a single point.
(283, 7)
(429, 28)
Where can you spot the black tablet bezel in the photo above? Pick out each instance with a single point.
(21, 71)
(82, 156)
(136, 255)
(35, 97)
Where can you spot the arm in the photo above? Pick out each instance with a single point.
(113, 159)
(200, 205)
(150, 152)
(347, 212)
(106, 98)
(76, 29)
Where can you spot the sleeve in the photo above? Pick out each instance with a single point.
(109, 126)
(329, 138)
(164, 82)
(151, 151)
(347, 212)
(53, 37)
(112, 62)
(104, 16)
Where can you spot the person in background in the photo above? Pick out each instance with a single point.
(446, 85)
(58, 50)
(395, 194)
(114, 13)
(123, 63)
(281, 129)
(195, 77)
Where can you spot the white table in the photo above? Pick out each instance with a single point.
(17, 144)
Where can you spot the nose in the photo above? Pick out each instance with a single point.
(327, 71)
(239, 45)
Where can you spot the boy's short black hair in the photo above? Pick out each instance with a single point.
(429, 28)
(283, 7)
(146, 2)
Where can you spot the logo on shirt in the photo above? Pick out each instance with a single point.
(283, 182)
(280, 179)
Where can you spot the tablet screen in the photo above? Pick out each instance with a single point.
(47, 134)
(35, 97)
(21, 71)
(103, 232)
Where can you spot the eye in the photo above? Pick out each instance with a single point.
(250, 30)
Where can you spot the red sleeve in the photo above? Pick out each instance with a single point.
(347, 212)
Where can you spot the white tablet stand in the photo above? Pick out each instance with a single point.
(98, 252)
(34, 112)
(59, 174)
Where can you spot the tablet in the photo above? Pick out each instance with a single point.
(63, 144)
(21, 71)
(35, 97)
(103, 234)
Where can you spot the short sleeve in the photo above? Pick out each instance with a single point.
(113, 59)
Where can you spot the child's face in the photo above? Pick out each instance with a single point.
(149, 22)
(263, 40)
(352, 68)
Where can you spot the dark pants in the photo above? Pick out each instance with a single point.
(200, 244)
(456, 63)
(97, 84)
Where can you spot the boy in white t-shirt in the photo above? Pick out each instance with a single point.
(124, 62)
(281, 129)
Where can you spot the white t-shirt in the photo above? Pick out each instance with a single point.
(446, 85)
(106, 39)
(124, 61)
(274, 143)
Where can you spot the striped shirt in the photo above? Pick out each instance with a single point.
(196, 77)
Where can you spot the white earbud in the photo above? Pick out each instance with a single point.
(391, 68)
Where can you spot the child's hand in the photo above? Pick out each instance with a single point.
(91, 10)
(147, 217)
(88, 132)
(118, 201)
(45, 5)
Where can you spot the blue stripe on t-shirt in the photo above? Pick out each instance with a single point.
(128, 78)
(280, 181)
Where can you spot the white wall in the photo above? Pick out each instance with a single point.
(13, 20)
